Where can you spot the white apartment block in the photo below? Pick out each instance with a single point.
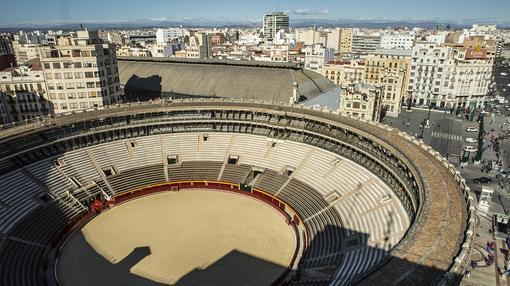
(365, 43)
(317, 56)
(23, 94)
(427, 72)
(169, 34)
(310, 36)
(81, 72)
(466, 78)
(450, 76)
(399, 41)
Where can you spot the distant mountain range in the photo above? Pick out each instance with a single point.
(239, 23)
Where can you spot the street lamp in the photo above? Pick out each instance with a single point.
(425, 122)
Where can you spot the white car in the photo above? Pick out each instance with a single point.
(471, 129)
(471, 140)
(470, 149)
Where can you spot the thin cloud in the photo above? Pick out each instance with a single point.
(308, 11)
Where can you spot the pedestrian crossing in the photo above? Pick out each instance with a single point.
(447, 136)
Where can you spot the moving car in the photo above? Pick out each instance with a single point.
(470, 149)
(482, 180)
(471, 129)
(471, 140)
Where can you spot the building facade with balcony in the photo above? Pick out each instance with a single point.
(80, 72)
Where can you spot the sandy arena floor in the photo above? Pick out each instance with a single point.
(180, 238)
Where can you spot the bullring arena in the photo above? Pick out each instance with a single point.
(303, 197)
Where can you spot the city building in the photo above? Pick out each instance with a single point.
(275, 22)
(23, 94)
(344, 72)
(450, 76)
(80, 72)
(169, 34)
(317, 56)
(361, 100)
(345, 41)
(397, 40)
(365, 43)
(427, 72)
(24, 52)
(391, 70)
(7, 57)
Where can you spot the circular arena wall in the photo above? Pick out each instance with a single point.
(435, 244)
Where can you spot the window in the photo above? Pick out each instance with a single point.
(87, 64)
(63, 106)
(92, 94)
(49, 75)
(56, 65)
(89, 74)
(51, 86)
(81, 94)
(73, 105)
(83, 105)
(57, 76)
(60, 86)
(71, 95)
(90, 84)
(47, 66)
(68, 65)
(69, 85)
(77, 64)
(68, 75)
(61, 96)
(80, 85)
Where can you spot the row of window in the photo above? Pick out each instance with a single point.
(76, 105)
(85, 64)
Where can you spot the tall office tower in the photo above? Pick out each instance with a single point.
(81, 72)
(275, 22)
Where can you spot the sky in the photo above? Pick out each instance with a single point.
(51, 11)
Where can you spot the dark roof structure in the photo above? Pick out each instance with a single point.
(151, 78)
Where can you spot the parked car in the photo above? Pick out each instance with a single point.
(482, 180)
(503, 174)
(471, 129)
(470, 149)
(471, 140)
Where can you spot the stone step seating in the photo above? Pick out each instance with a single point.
(47, 173)
(112, 154)
(195, 170)
(77, 164)
(271, 181)
(21, 264)
(235, 173)
(356, 261)
(137, 177)
(303, 198)
(325, 240)
(194, 147)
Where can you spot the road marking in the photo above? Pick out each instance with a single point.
(447, 136)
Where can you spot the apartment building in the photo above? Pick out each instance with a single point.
(344, 72)
(25, 52)
(363, 43)
(169, 34)
(275, 22)
(345, 41)
(317, 56)
(361, 100)
(81, 72)
(391, 70)
(427, 69)
(397, 40)
(450, 76)
(23, 94)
